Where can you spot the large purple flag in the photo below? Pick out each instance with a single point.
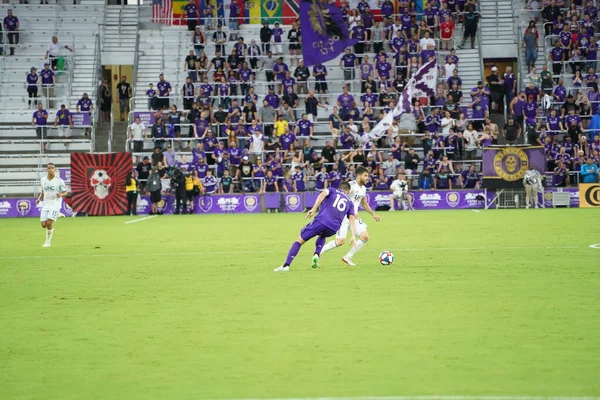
(421, 85)
(324, 33)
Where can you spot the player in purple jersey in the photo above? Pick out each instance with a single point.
(335, 206)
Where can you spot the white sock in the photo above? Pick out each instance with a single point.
(49, 233)
(329, 246)
(359, 245)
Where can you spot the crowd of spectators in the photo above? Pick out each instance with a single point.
(558, 105)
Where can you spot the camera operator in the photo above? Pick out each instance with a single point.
(178, 185)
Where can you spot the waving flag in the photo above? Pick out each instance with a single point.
(421, 85)
(324, 32)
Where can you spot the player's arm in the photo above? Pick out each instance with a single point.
(62, 190)
(365, 204)
(41, 196)
(352, 221)
(320, 199)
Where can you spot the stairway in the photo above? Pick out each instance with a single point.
(120, 34)
(497, 25)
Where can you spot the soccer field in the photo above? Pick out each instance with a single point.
(503, 303)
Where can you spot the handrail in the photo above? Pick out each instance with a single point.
(95, 79)
(110, 131)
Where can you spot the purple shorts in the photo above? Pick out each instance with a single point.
(315, 228)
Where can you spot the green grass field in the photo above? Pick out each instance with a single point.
(188, 307)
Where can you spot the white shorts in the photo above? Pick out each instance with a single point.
(47, 214)
(278, 48)
(343, 232)
(64, 131)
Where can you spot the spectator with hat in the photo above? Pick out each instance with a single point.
(32, 86)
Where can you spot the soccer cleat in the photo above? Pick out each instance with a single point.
(61, 215)
(281, 269)
(348, 261)
(315, 261)
(47, 244)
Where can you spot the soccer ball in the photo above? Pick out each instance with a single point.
(386, 258)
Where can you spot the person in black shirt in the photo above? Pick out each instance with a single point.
(471, 19)
(311, 104)
(226, 183)
(217, 62)
(328, 153)
(124, 89)
(192, 116)
(301, 74)
(294, 39)
(219, 118)
(143, 170)
(568, 105)
(188, 91)
(452, 107)
(265, 37)
(244, 174)
(190, 66)
(175, 120)
(550, 14)
(219, 37)
(496, 86)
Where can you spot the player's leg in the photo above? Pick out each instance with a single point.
(409, 200)
(362, 239)
(340, 238)
(52, 215)
(292, 253)
(319, 243)
(528, 199)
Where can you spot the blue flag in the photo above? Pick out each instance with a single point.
(324, 32)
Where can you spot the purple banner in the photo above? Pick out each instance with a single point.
(546, 197)
(146, 117)
(310, 199)
(26, 207)
(272, 200)
(227, 203)
(293, 202)
(144, 205)
(510, 163)
(81, 119)
(324, 33)
(65, 174)
(436, 199)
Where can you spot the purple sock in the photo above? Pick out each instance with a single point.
(292, 253)
(319, 243)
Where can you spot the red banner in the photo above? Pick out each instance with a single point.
(98, 183)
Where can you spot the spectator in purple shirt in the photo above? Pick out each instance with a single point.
(360, 33)
(279, 70)
(560, 176)
(192, 15)
(64, 122)
(11, 26)
(557, 54)
(304, 127)
(348, 63)
(272, 99)
(39, 122)
(560, 92)
(287, 139)
(591, 78)
(48, 82)
(32, 88)
(164, 90)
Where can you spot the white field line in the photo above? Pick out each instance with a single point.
(141, 219)
(434, 398)
(282, 251)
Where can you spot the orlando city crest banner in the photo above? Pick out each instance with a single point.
(98, 183)
(505, 166)
(324, 33)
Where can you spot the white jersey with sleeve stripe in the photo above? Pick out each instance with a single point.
(356, 195)
(51, 188)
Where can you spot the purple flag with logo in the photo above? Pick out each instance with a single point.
(324, 33)
(421, 85)
(505, 166)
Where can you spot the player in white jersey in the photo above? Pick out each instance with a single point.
(53, 190)
(357, 196)
(400, 192)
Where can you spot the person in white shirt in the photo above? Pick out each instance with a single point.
(257, 146)
(53, 51)
(447, 123)
(400, 192)
(533, 186)
(427, 41)
(449, 69)
(470, 136)
(52, 191)
(137, 134)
